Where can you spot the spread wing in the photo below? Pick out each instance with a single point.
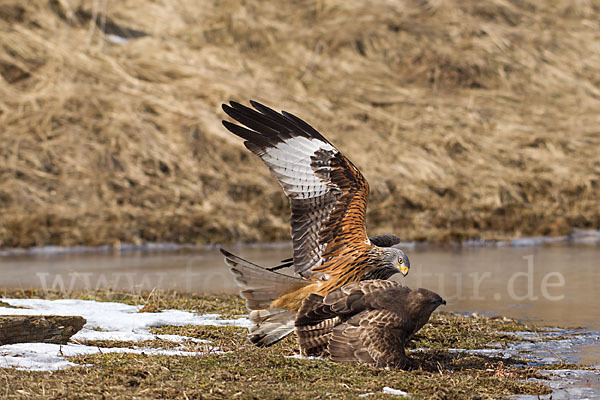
(328, 194)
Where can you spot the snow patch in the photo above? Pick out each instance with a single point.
(397, 392)
(105, 321)
(301, 357)
(118, 317)
(387, 390)
(51, 357)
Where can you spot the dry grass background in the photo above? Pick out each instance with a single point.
(468, 118)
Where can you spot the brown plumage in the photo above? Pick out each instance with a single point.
(366, 322)
(328, 197)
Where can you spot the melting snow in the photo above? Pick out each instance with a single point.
(301, 357)
(397, 392)
(49, 357)
(105, 321)
(387, 390)
(569, 384)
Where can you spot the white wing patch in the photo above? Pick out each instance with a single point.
(290, 163)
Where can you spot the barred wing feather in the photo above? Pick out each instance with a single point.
(328, 194)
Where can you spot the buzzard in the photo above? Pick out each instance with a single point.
(328, 197)
(366, 322)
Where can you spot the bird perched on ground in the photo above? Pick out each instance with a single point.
(366, 322)
(328, 197)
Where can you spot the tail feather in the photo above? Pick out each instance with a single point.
(313, 339)
(260, 287)
(270, 326)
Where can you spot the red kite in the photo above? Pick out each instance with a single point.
(328, 197)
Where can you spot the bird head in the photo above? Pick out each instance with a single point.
(428, 300)
(420, 304)
(395, 261)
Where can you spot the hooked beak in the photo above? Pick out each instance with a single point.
(403, 268)
(444, 302)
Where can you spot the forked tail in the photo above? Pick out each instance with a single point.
(260, 287)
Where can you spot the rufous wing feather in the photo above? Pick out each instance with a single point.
(328, 194)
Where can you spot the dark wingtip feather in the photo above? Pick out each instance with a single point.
(265, 121)
(256, 104)
(245, 133)
(264, 109)
(236, 105)
(233, 108)
(303, 125)
(226, 108)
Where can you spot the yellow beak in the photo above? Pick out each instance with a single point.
(403, 269)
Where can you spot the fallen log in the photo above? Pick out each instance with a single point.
(37, 328)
